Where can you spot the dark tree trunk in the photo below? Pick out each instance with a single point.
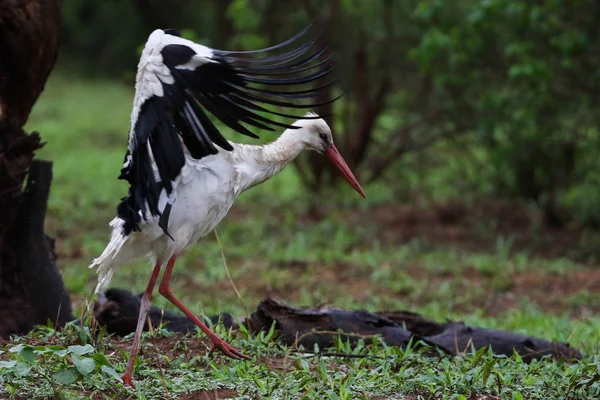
(31, 289)
(317, 171)
(223, 30)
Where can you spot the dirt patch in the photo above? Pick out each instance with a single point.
(476, 396)
(215, 394)
(495, 293)
(174, 346)
(277, 363)
(474, 228)
(16, 397)
(572, 292)
(567, 284)
(299, 277)
(473, 396)
(549, 292)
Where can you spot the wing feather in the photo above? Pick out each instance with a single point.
(180, 82)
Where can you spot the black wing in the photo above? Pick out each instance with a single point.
(192, 82)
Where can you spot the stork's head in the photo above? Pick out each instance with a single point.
(316, 135)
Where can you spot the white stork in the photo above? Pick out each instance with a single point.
(183, 175)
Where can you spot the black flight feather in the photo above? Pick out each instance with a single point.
(230, 86)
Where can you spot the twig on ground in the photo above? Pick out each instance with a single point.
(229, 275)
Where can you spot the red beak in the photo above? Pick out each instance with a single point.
(336, 159)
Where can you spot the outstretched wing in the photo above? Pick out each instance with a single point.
(179, 83)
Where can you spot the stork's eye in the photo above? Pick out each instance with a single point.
(323, 137)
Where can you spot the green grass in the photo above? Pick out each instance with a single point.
(350, 259)
(286, 373)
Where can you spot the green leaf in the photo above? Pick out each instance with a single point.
(17, 348)
(242, 15)
(259, 383)
(100, 359)
(22, 368)
(517, 396)
(81, 350)
(11, 389)
(478, 356)
(7, 364)
(28, 354)
(62, 353)
(54, 349)
(85, 366)
(66, 376)
(487, 370)
(111, 372)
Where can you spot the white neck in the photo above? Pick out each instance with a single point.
(256, 164)
(285, 149)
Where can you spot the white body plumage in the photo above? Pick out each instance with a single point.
(204, 191)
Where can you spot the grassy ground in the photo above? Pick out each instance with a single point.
(489, 264)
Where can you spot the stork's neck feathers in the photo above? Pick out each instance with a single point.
(256, 164)
(285, 149)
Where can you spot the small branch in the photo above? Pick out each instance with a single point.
(336, 354)
(371, 109)
(405, 145)
(381, 164)
(229, 275)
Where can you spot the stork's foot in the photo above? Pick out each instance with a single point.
(127, 380)
(227, 349)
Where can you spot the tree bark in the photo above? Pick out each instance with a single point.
(223, 30)
(29, 35)
(31, 289)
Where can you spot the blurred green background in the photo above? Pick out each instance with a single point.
(472, 126)
(479, 98)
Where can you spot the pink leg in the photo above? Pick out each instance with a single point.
(144, 308)
(218, 343)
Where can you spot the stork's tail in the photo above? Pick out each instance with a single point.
(111, 257)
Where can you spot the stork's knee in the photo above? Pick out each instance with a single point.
(165, 290)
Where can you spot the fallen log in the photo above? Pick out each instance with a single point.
(117, 309)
